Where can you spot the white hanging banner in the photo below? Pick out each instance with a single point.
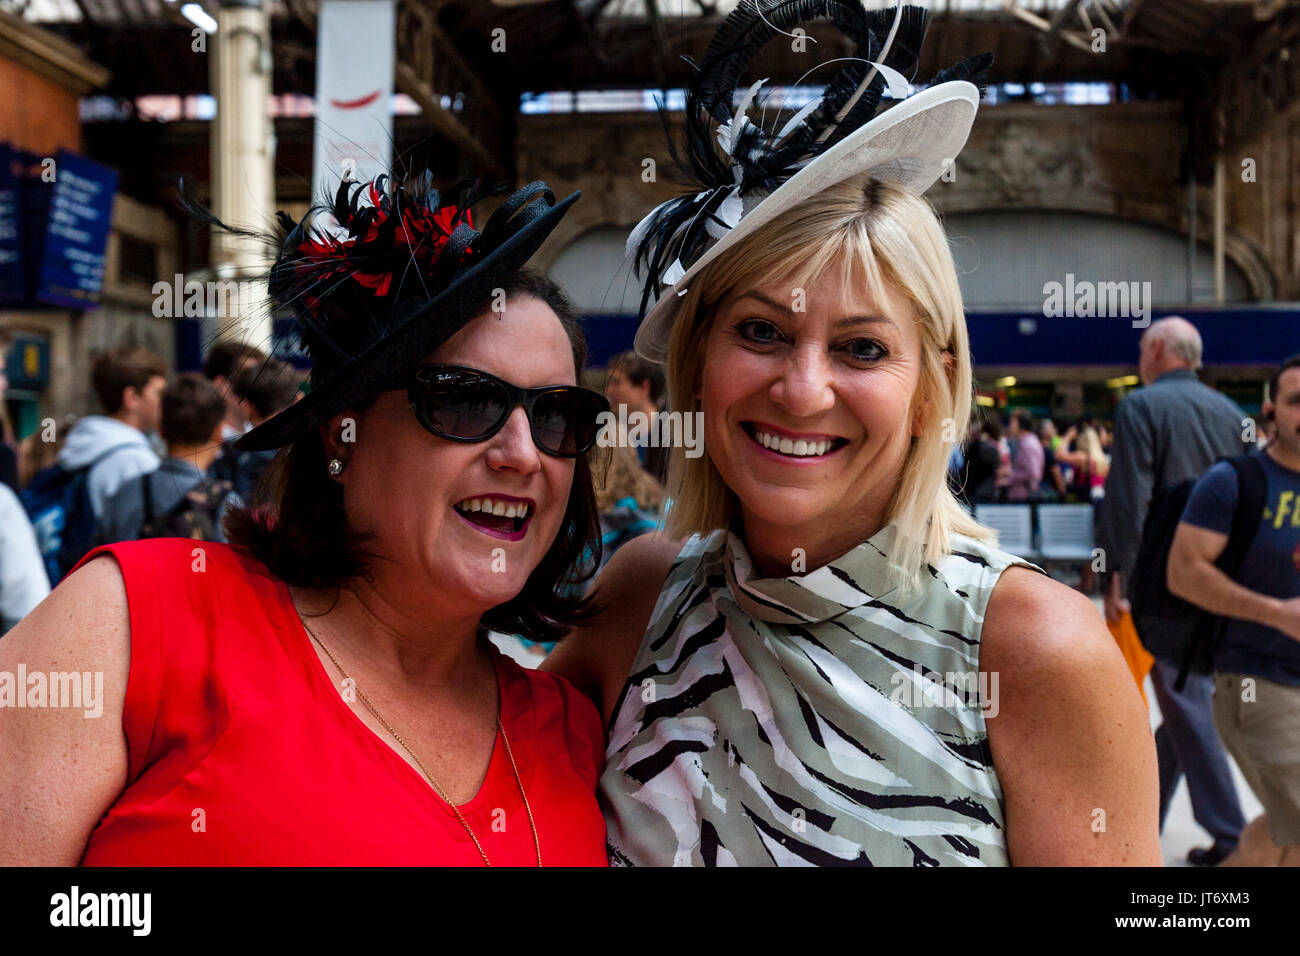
(354, 92)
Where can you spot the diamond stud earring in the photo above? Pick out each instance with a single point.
(335, 467)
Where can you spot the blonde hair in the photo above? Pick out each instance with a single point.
(1090, 445)
(876, 234)
(623, 477)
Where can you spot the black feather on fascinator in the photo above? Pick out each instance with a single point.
(368, 256)
(384, 274)
(734, 163)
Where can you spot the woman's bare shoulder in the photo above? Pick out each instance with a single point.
(596, 656)
(1048, 639)
(1070, 737)
(86, 616)
(78, 752)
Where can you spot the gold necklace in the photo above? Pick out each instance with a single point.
(505, 739)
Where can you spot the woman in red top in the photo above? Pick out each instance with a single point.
(322, 691)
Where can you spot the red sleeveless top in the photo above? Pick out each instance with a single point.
(242, 750)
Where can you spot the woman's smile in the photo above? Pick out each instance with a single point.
(789, 447)
(499, 516)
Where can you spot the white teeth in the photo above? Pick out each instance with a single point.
(488, 506)
(786, 446)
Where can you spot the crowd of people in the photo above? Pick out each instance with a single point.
(1166, 473)
(1024, 460)
(157, 461)
(1170, 433)
(803, 648)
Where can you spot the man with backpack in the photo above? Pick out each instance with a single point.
(66, 500)
(1166, 433)
(178, 499)
(1256, 654)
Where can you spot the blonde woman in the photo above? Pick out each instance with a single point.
(1089, 459)
(838, 666)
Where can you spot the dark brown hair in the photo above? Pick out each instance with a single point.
(1275, 380)
(638, 371)
(192, 408)
(122, 368)
(296, 524)
(228, 356)
(269, 387)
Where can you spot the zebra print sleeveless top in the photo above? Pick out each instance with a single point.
(808, 720)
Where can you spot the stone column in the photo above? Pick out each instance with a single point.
(243, 189)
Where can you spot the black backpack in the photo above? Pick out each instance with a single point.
(1172, 629)
(195, 516)
(58, 503)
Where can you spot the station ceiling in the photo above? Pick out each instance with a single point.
(586, 44)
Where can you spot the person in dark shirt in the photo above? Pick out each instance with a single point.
(978, 473)
(261, 390)
(1053, 485)
(1171, 430)
(1257, 662)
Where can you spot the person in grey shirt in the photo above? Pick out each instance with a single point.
(1172, 430)
(192, 413)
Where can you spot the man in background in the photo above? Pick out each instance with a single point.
(261, 390)
(1165, 433)
(225, 358)
(192, 413)
(975, 479)
(1028, 461)
(129, 383)
(1257, 660)
(639, 385)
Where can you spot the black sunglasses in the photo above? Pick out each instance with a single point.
(468, 405)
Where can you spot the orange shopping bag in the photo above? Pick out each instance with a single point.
(1135, 655)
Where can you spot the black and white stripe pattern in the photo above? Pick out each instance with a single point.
(808, 720)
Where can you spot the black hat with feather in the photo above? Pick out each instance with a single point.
(385, 274)
(746, 175)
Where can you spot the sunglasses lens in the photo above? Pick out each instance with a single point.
(462, 404)
(564, 420)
